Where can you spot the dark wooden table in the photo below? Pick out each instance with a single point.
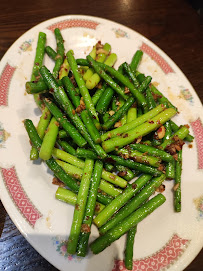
(171, 24)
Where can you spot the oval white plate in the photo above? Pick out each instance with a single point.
(165, 239)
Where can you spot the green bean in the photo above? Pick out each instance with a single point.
(72, 91)
(112, 178)
(64, 69)
(70, 197)
(98, 93)
(82, 62)
(150, 100)
(84, 153)
(168, 131)
(133, 165)
(145, 84)
(49, 140)
(50, 52)
(133, 124)
(62, 134)
(121, 200)
(136, 60)
(64, 101)
(95, 78)
(140, 77)
(124, 80)
(125, 172)
(139, 112)
(131, 74)
(80, 207)
(67, 126)
(111, 59)
(89, 124)
(109, 167)
(181, 133)
(104, 100)
(153, 151)
(60, 52)
(41, 128)
(115, 117)
(129, 248)
(81, 84)
(35, 87)
(108, 176)
(175, 128)
(133, 204)
(89, 211)
(132, 114)
(139, 157)
(177, 187)
(132, 220)
(66, 195)
(141, 130)
(102, 56)
(51, 163)
(170, 170)
(162, 98)
(73, 160)
(39, 56)
(90, 71)
(66, 147)
(106, 77)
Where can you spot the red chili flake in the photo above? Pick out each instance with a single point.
(151, 121)
(77, 206)
(125, 135)
(161, 188)
(112, 177)
(110, 160)
(176, 186)
(76, 176)
(134, 185)
(158, 122)
(175, 156)
(56, 181)
(97, 207)
(46, 116)
(126, 90)
(161, 167)
(73, 111)
(190, 146)
(85, 228)
(122, 173)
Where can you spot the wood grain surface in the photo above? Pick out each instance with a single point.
(173, 25)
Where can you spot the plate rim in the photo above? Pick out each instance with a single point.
(27, 237)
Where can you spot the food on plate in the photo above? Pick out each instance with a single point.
(108, 136)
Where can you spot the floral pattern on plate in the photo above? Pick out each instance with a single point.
(199, 206)
(61, 248)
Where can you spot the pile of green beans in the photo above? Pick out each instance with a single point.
(100, 128)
